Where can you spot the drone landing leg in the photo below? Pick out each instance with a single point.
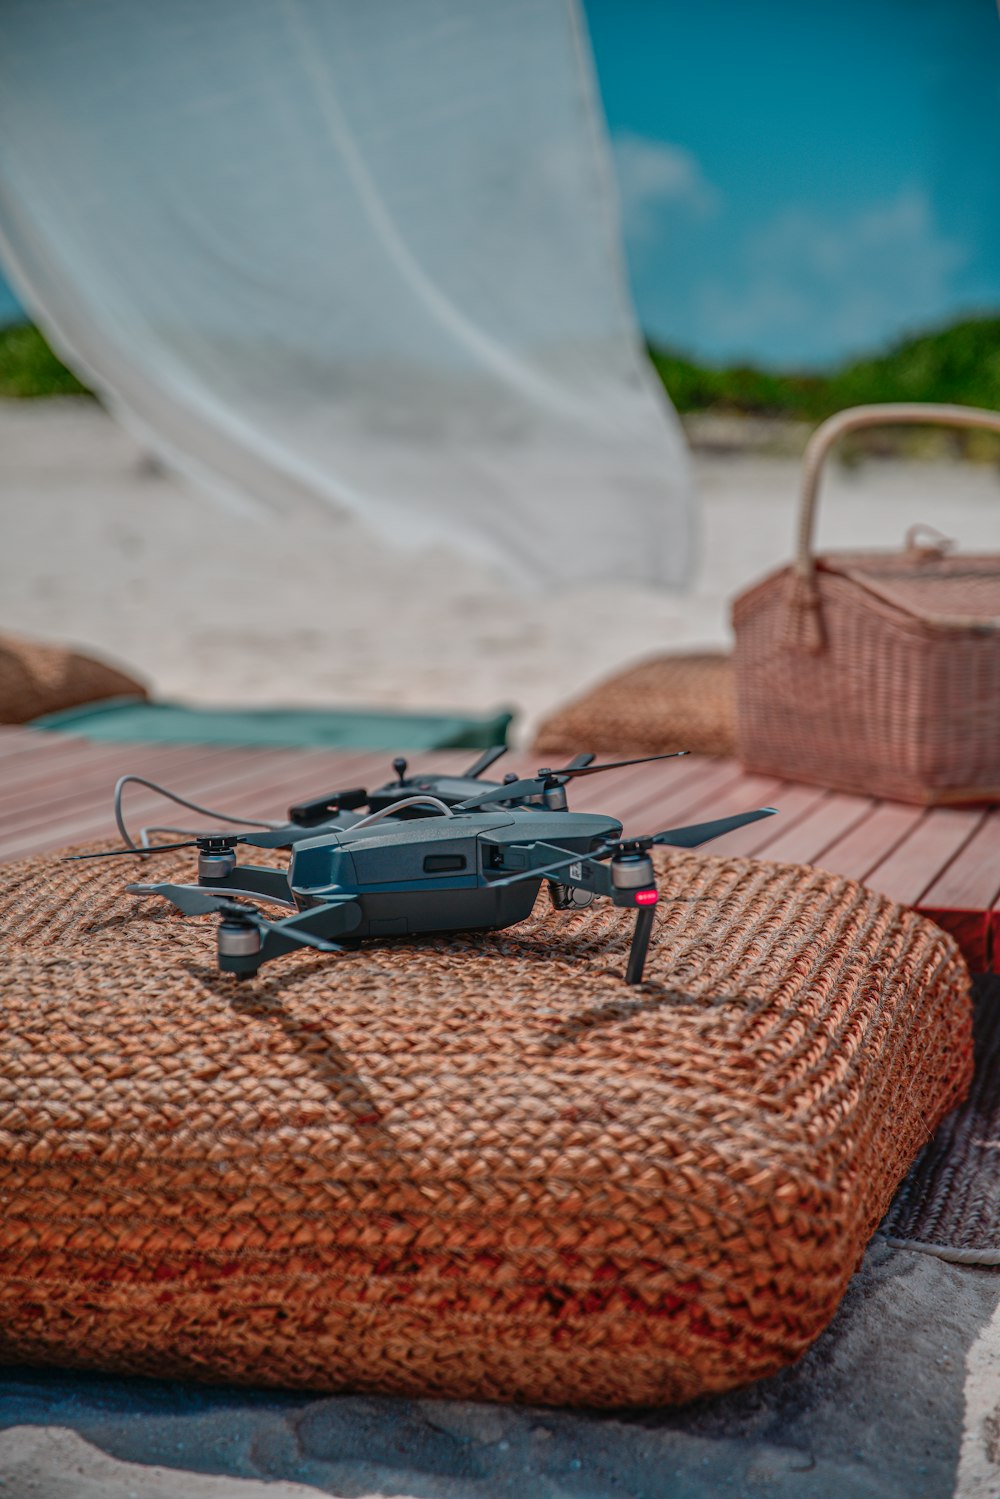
(640, 945)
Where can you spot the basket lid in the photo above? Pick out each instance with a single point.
(952, 591)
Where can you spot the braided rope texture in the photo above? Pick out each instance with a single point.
(889, 703)
(36, 679)
(671, 702)
(476, 1166)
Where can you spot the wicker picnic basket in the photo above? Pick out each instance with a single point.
(471, 1166)
(874, 672)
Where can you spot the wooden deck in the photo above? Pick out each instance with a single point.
(56, 790)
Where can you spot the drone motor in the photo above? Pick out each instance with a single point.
(238, 938)
(632, 869)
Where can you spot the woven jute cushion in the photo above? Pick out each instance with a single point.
(37, 678)
(671, 702)
(475, 1166)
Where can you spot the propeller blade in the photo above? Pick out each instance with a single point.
(510, 791)
(579, 761)
(486, 759)
(575, 769)
(702, 832)
(137, 853)
(190, 899)
(304, 939)
(194, 901)
(279, 837)
(535, 785)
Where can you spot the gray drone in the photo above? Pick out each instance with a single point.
(432, 855)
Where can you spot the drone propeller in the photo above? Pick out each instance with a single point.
(691, 836)
(196, 902)
(154, 848)
(486, 759)
(207, 843)
(697, 833)
(546, 779)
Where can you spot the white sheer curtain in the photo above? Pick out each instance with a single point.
(360, 253)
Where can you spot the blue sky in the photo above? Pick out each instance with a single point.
(801, 182)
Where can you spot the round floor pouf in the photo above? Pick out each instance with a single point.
(477, 1167)
(38, 678)
(686, 700)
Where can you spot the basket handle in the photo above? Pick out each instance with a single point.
(805, 624)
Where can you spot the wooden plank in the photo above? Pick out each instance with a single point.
(803, 840)
(971, 881)
(220, 778)
(17, 740)
(703, 786)
(867, 843)
(963, 896)
(51, 756)
(915, 863)
(51, 787)
(793, 803)
(49, 800)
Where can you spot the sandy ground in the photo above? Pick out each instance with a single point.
(102, 548)
(898, 1398)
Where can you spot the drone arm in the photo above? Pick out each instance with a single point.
(253, 879)
(528, 861)
(335, 918)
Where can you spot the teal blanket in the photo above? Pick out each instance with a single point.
(133, 720)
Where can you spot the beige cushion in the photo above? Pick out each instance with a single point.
(671, 702)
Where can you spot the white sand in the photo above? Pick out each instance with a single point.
(101, 548)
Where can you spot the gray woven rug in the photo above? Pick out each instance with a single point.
(949, 1205)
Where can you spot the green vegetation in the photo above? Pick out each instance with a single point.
(960, 363)
(29, 368)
